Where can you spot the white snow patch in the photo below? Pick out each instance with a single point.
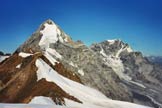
(24, 55)
(53, 52)
(18, 66)
(129, 49)
(111, 41)
(51, 34)
(138, 84)
(103, 104)
(3, 58)
(116, 64)
(50, 58)
(122, 49)
(119, 52)
(29, 106)
(66, 39)
(42, 100)
(102, 52)
(81, 72)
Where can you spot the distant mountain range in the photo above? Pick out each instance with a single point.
(52, 69)
(155, 59)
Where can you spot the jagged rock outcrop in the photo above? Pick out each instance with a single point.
(19, 83)
(136, 72)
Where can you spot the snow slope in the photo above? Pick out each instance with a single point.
(24, 55)
(91, 98)
(29, 106)
(42, 100)
(3, 58)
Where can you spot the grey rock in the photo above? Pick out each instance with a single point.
(93, 66)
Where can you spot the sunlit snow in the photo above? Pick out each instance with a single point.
(18, 66)
(91, 98)
(50, 35)
(24, 55)
(3, 58)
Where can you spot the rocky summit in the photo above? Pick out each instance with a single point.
(51, 69)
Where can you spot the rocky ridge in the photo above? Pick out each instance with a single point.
(52, 61)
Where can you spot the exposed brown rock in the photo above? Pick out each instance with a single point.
(21, 85)
(20, 82)
(63, 71)
(8, 67)
(48, 89)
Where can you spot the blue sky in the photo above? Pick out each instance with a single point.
(137, 22)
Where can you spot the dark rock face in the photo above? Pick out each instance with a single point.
(1, 53)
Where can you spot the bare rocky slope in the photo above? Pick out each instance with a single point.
(51, 64)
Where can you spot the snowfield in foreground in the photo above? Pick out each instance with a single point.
(91, 98)
(29, 106)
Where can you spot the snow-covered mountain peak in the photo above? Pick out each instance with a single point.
(50, 34)
(112, 41)
(112, 48)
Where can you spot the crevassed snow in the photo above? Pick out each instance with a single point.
(91, 98)
(3, 58)
(50, 35)
(42, 100)
(81, 72)
(18, 66)
(24, 55)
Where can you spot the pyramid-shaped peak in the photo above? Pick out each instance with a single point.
(48, 33)
(49, 21)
